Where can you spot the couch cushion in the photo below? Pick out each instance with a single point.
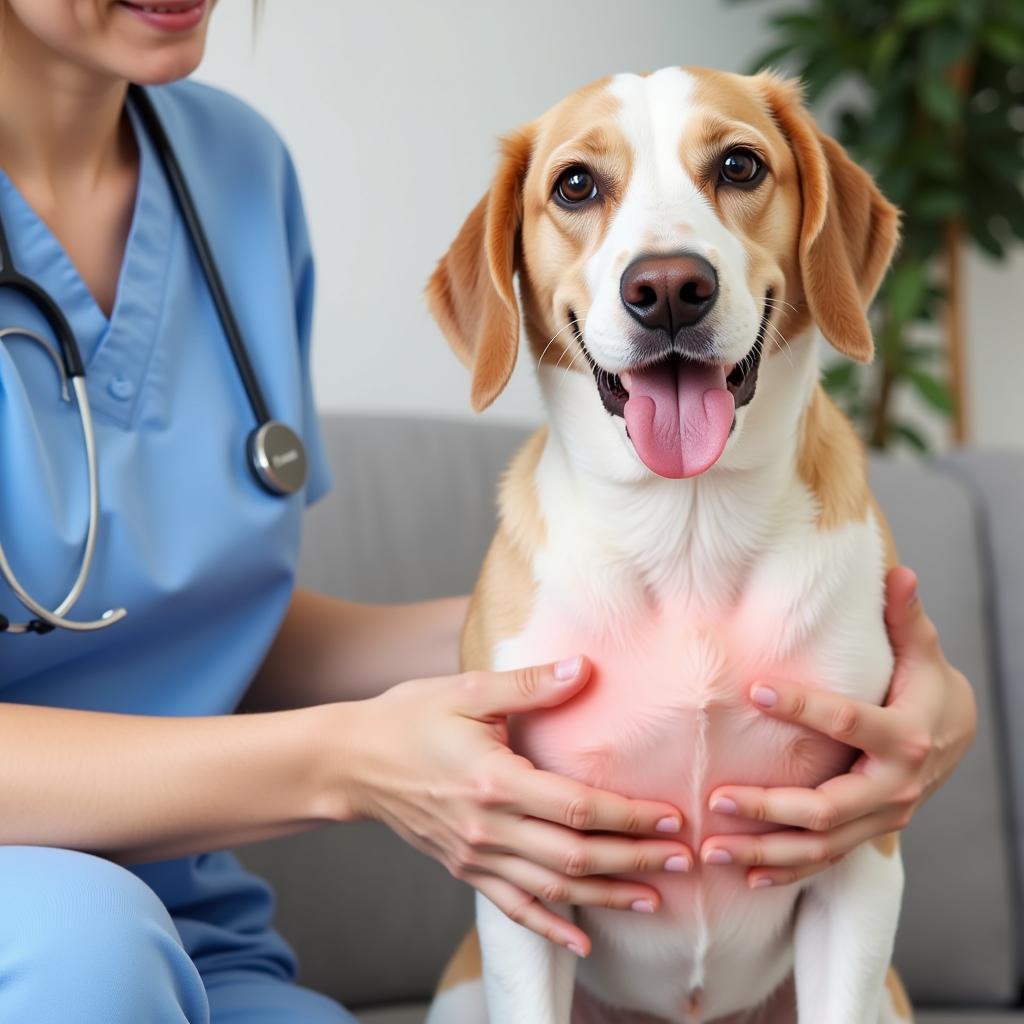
(407, 1014)
(920, 1017)
(996, 479)
(417, 1014)
(957, 938)
(413, 507)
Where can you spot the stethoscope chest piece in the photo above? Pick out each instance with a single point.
(278, 458)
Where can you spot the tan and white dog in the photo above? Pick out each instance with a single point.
(696, 517)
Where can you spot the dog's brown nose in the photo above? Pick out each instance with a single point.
(669, 292)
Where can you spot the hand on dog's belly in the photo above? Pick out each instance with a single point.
(666, 715)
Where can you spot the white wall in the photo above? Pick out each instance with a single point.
(392, 108)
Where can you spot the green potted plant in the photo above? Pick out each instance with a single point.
(937, 115)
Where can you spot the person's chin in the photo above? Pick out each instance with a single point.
(170, 65)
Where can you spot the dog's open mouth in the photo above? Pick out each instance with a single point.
(679, 411)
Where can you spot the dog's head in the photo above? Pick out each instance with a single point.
(667, 230)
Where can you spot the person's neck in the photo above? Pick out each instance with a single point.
(61, 125)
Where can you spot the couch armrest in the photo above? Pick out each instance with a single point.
(996, 482)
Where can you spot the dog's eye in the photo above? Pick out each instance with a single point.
(576, 186)
(740, 167)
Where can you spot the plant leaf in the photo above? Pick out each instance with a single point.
(1004, 42)
(919, 12)
(937, 204)
(919, 353)
(934, 391)
(942, 47)
(910, 435)
(884, 50)
(905, 290)
(772, 58)
(839, 377)
(940, 99)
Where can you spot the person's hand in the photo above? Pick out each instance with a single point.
(910, 747)
(430, 758)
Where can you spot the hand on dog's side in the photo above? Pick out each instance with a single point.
(909, 748)
(434, 764)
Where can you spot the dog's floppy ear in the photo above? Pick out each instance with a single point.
(471, 294)
(848, 229)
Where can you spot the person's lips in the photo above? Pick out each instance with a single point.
(168, 16)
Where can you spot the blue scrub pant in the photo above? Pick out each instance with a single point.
(84, 940)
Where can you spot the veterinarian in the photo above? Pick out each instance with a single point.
(150, 521)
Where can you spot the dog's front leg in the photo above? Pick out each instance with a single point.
(845, 929)
(526, 978)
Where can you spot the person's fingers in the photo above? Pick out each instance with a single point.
(539, 794)
(833, 803)
(792, 848)
(571, 854)
(877, 827)
(764, 878)
(910, 630)
(490, 695)
(853, 722)
(529, 912)
(552, 887)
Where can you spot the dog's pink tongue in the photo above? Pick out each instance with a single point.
(679, 415)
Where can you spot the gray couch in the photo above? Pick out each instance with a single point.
(410, 516)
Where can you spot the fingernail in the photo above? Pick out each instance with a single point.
(718, 857)
(668, 825)
(677, 863)
(569, 668)
(764, 696)
(573, 948)
(761, 883)
(643, 906)
(724, 805)
(912, 600)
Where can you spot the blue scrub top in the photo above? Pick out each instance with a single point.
(202, 558)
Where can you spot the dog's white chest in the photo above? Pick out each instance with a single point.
(667, 715)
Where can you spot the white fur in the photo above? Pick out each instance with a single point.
(663, 212)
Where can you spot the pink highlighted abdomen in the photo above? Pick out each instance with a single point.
(666, 715)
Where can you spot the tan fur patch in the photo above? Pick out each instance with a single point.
(831, 463)
(730, 112)
(898, 995)
(471, 292)
(582, 129)
(892, 558)
(504, 594)
(848, 229)
(465, 965)
(888, 844)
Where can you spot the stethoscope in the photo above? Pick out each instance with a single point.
(274, 451)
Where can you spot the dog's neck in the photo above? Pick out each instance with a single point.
(614, 528)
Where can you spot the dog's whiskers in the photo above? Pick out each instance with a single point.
(570, 365)
(779, 303)
(782, 342)
(571, 323)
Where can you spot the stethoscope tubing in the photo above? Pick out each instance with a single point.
(56, 617)
(204, 252)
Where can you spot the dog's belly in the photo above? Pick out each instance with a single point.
(667, 715)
